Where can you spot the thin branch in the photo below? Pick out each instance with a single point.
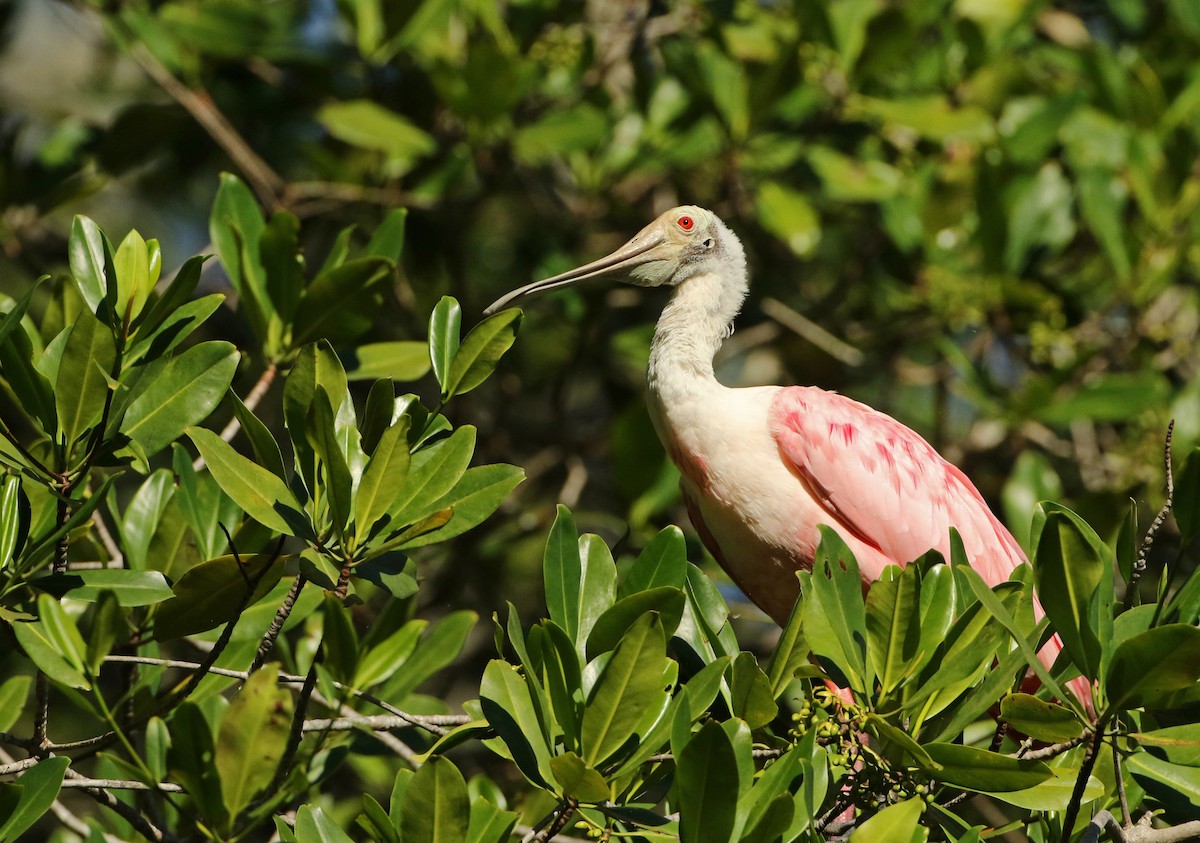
(1085, 772)
(18, 766)
(122, 784)
(432, 723)
(265, 181)
(281, 616)
(1140, 833)
(106, 539)
(1139, 564)
(800, 324)
(552, 823)
(131, 815)
(1054, 749)
(297, 731)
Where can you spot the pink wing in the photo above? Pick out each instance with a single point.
(881, 482)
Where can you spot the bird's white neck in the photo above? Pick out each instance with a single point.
(696, 320)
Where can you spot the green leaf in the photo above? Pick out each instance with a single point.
(389, 655)
(663, 562)
(1147, 668)
(215, 592)
(835, 616)
(504, 696)
(43, 651)
(340, 304)
(60, 630)
(986, 772)
(368, 125)
(14, 691)
(384, 478)
(481, 350)
(608, 629)
(81, 387)
(177, 294)
(283, 263)
(91, 261)
(1068, 562)
(313, 826)
(1053, 794)
(252, 737)
(629, 685)
(899, 823)
(578, 780)
(34, 390)
(1182, 780)
(788, 215)
(790, 654)
(707, 787)
(406, 360)
(562, 572)
(13, 529)
(445, 327)
(1187, 497)
(183, 393)
(388, 239)
(436, 807)
(1039, 719)
(473, 499)
(263, 495)
(191, 761)
(132, 268)
(433, 471)
(176, 327)
(846, 179)
(1181, 744)
(39, 785)
(236, 226)
(750, 691)
(131, 588)
(339, 641)
(322, 433)
(893, 628)
(439, 647)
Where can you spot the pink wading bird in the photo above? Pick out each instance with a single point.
(763, 466)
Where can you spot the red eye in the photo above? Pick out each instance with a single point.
(686, 223)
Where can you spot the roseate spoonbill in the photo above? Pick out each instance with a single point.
(762, 467)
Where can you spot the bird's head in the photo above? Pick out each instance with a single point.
(679, 244)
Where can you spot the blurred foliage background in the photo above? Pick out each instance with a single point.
(976, 215)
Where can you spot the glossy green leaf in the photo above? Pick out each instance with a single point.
(893, 628)
(215, 592)
(183, 393)
(191, 761)
(438, 648)
(480, 352)
(14, 691)
(384, 658)
(40, 786)
(489, 823)
(578, 780)
(252, 737)
(477, 494)
(1039, 719)
(13, 529)
(134, 284)
(130, 588)
(36, 394)
(436, 806)
(608, 629)
(662, 562)
(750, 691)
(790, 654)
(1055, 793)
(433, 471)
(1181, 744)
(1147, 668)
(707, 787)
(629, 684)
(899, 823)
(1068, 561)
(505, 698)
(339, 641)
(445, 329)
(562, 572)
(384, 478)
(82, 384)
(405, 360)
(835, 617)
(339, 304)
(1182, 780)
(315, 826)
(321, 430)
(91, 265)
(45, 652)
(235, 227)
(977, 769)
(262, 494)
